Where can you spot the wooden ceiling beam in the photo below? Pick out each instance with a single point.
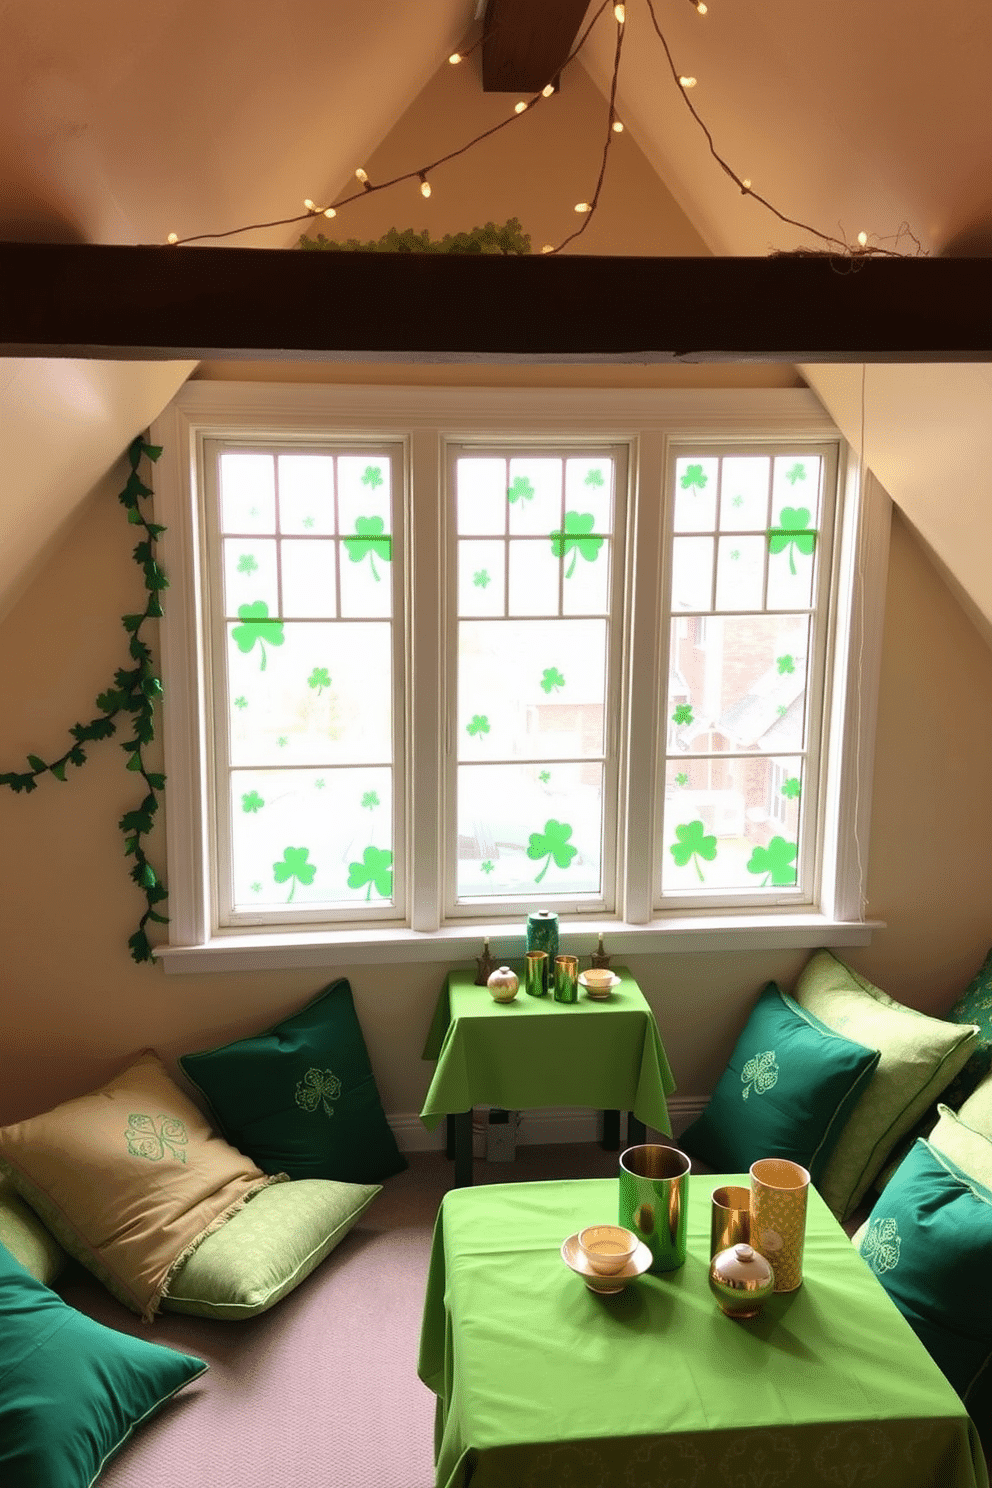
(160, 303)
(525, 42)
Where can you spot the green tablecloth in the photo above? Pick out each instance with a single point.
(538, 1052)
(542, 1384)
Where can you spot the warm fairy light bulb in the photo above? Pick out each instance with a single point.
(309, 204)
(863, 239)
(330, 212)
(621, 14)
(687, 82)
(425, 185)
(548, 248)
(700, 8)
(172, 238)
(361, 175)
(746, 184)
(617, 127)
(520, 108)
(583, 207)
(547, 90)
(455, 58)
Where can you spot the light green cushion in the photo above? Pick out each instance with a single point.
(919, 1057)
(71, 1390)
(973, 1006)
(976, 1111)
(27, 1239)
(267, 1248)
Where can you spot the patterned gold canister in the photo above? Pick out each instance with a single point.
(779, 1190)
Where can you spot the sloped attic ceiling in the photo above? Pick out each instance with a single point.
(118, 127)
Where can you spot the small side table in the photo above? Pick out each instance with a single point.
(537, 1052)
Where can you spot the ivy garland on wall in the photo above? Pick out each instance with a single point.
(134, 693)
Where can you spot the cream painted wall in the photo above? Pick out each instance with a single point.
(75, 1007)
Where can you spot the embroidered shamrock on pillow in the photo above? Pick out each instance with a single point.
(316, 1089)
(761, 1073)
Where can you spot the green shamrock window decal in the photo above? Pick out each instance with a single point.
(552, 680)
(370, 801)
(881, 1245)
(317, 1089)
(294, 867)
(694, 475)
(247, 563)
(760, 1074)
(577, 538)
(552, 844)
(776, 862)
(683, 714)
(595, 478)
(372, 477)
(257, 630)
(519, 489)
(153, 1137)
(693, 844)
(482, 578)
(798, 472)
(792, 788)
(785, 664)
(240, 703)
(488, 866)
(681, 778)
(478, 726)
(319, 678)
(794, 535)
(251, 801)
(376, 870)
(370, 542)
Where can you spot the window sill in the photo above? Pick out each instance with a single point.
(456, 943)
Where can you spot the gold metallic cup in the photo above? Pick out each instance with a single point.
(779, 1190)
(730, 1218)
(536, 973)
(566, 979)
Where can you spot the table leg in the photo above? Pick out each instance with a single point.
(462, 1123)
(635, 1130)
(611, 1131)
(449, 1135)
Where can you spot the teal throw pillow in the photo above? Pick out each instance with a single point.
(973, 1006)
(301, 1098)
(71, 1390)
(786, 1091)
(929, 1242)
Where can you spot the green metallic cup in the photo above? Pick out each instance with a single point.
(536, 973)
(654, 1189)
(566, 979)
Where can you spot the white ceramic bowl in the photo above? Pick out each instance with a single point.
(598, 978)
(607, 1248)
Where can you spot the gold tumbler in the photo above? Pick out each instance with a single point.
(730, 1218)
(566, 979)
(779, 1190)
(536, 973)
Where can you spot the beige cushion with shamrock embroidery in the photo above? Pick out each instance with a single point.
(919, 1056)
(130, 1178)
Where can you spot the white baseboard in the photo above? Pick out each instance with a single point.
(549, 1126)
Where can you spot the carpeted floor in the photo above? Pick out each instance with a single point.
(322, 1390)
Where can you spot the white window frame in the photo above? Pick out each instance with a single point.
(425, 420)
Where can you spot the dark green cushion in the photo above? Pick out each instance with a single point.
(785, 1092)
(301, 1098)
(973, 1006)
(71, 1390)
(929, 1242)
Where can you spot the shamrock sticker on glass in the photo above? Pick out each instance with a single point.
(552, 680)
(595, 477)
(785, 664)
(481, 579)
(552, 844)
(294, 866)
(319, 678)
(693, 844)
(372, 477)
(370, 542)
(251, 802)
(792, 788)
(247, 563)
(776, 862)
(793, 535)
(370, 801)
(577, 538)
(683, 714)
(520, 489)
(376, 870)
(478, 726)
(257, 630)
(694, 476)
(798, 472)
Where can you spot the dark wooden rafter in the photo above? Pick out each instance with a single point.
(159, 303)
(525, 42)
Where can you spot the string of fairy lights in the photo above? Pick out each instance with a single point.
(861, 247)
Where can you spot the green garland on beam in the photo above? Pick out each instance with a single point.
(135, 692)
(507, 238)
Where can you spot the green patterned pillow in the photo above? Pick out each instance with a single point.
(973, 1006)
(301, 1098)
(267, 1248)
(919, 1057)
(785, 1092)
(929, 1242)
